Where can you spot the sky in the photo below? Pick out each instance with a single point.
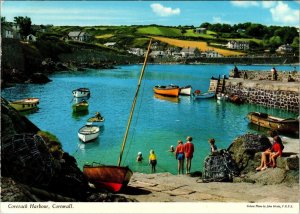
(169, 13)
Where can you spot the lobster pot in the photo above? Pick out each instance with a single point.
(25, 158)
(219, 167)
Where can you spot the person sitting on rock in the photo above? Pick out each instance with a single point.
(269, 156)
(213, 147)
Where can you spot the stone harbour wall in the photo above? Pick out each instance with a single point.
(274, 94)
(267, 75)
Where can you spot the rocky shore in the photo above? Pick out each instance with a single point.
(35, 168)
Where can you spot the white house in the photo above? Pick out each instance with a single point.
(7, 32)
(157, 54)
(211, 54)
(238, 45)
(201, 30)
(31, 38)
(136, 51)
(284, 48)
(189, 52)
(79, 36)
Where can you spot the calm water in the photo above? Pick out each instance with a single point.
(157, 123)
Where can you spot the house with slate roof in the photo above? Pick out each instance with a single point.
(79, 36)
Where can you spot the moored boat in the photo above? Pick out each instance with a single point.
(205, 95)
(112, 178)
(289, 125)
(98, 121)
(115, 177)
(171, 90)
(25, 104)
(186, 91)
(88, 133)
(81, 92)
(81, 106)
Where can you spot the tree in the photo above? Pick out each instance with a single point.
(183, 31)
(205, 25)
(257, 30)
(24, 24)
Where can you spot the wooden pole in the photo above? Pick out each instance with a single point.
(133, 104)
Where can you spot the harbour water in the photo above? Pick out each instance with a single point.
(157, 123)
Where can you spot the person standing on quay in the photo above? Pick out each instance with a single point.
(180, 156)
(189, 151)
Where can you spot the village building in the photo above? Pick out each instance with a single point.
(79, 36)
(157, 54)
(238, 45)
(211, 54)
(31, 38)
(110, 44)
(201, 30)
(190, 52)
(136, 51)
(10, 32)
(287, 48)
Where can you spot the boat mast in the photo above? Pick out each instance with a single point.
(133, 104)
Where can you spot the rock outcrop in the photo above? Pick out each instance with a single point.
(246, 151)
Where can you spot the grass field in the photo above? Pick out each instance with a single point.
(159, 31)
(200, 45)
(104, 36)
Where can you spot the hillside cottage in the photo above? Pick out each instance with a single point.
(31, 38)
(211, 54)
(201, 30)
(238, 45)
(284, 49)
(157, 54)
(136, 51)
(79, 36)
(10, 32)
(190, 52)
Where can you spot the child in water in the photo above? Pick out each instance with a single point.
(152, 160)
(139, 157)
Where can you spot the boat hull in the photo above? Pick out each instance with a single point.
(81, 92)
(88, 133)
(186, 91)
(204, 95)
(80, 107)
(25, 104)
(172, 92)
(275, 123)
(112, 178)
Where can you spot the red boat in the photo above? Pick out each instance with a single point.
(112, 178)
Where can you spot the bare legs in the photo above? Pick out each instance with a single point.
(265, 156)
(180, 166)
(188, 165)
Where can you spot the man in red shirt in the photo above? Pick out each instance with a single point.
(189, 151)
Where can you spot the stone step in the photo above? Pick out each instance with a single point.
(288, 163)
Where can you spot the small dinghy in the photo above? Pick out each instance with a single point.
(81, 92)
(88, 133)
(186, 91)
(25, 104)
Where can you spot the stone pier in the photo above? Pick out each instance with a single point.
(275, 94)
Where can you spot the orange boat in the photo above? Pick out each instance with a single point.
(172, 91)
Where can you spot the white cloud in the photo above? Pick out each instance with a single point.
(268, 4)
(283, 14)
(245, 3)
(160, 10)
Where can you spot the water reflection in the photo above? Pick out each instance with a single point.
(166, 98)
(79, 114)
(30, 111)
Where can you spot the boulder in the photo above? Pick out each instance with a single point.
(26, 158)
(39, 78)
